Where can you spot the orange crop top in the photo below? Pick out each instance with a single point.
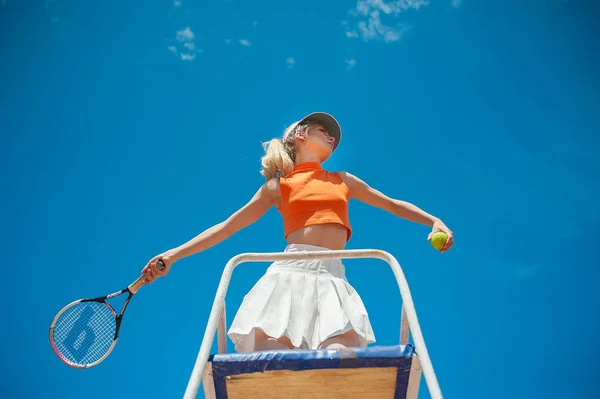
(311, 195)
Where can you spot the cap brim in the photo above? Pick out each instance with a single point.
(329, 122)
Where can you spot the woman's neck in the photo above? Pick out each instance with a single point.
(303, 158)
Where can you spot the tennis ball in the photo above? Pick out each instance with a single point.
(438, 240)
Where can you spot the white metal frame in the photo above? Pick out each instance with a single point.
(409, 322)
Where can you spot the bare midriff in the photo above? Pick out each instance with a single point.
(328, 235)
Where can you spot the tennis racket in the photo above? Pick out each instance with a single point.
(84, 332)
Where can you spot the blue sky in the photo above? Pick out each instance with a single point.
(128, 128)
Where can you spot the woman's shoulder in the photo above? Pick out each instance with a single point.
(348, 178)
(270, 191)
(342, 174)
(272, 185)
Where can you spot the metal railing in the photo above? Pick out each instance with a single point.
(409, 321)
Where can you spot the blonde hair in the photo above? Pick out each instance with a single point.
(280, 154)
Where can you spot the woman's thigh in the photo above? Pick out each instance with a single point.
(264, 342)
(347, 340)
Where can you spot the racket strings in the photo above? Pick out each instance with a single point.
(84, 332)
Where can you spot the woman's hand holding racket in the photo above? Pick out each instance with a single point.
(158, 266)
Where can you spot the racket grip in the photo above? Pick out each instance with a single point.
(161, 265)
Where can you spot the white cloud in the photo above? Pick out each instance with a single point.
(3, 2)
(188, 56)
(290, 62)
(189, 50)
(245, 43)
(228, 41)
(177, 3)
(365, 7)
(373, 28)
(185, 35)
(456, 3)
(352, 34)
(370, 14)
(350, 62)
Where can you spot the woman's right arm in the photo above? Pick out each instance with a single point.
(265, 197)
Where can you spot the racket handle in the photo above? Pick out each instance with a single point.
(161, 265)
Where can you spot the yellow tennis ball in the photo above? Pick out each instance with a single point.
(438, 240)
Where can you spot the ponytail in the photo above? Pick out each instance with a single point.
(278, 160)
(280, 154)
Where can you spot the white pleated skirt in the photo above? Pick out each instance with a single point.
(307, 301)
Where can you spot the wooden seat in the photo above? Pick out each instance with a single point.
(377, 372)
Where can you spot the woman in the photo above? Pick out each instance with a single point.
(306, 304)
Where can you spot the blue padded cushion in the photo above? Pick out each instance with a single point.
(226, 364)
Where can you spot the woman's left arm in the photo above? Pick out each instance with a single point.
(361, 191)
